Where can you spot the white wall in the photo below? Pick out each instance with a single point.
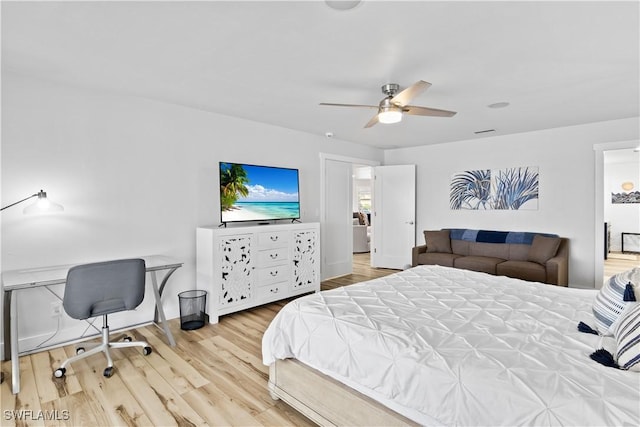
(565, 157)
(135, 177)
(621, 217)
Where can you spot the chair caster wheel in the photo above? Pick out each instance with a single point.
(108, 372)
(79, 350)
(146, 351)
(127, 339)
(59, 373)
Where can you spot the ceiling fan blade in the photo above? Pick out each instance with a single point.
(372, 122)
(425, 111)
(348, 105)
(405, 96)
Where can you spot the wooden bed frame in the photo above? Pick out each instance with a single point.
(326, 401)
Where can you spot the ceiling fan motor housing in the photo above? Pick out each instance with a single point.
(390, 89)
(386, 104)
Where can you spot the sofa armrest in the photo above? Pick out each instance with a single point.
(558, 266)
(417, 250)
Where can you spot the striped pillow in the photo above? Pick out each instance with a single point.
(627, 333)
(609, 302)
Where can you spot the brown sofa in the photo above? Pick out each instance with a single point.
(537, 257)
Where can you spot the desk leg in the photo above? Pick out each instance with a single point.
(161, 289)
(159, 308)
(15, 362)
(6, 327)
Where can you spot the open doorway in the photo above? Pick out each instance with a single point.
(621, 173)
(361, 199)
(608, 239)
(336, 212)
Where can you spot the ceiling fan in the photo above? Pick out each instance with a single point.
(395, 104)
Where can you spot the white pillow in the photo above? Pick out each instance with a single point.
(627, 333)
(609, 302)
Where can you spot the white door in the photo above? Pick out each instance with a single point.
(337, 224)
(394, 211)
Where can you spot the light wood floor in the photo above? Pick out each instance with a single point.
(214, 376)
(619, 262)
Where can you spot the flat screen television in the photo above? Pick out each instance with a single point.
(258, 193)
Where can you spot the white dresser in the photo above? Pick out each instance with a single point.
(243, 267)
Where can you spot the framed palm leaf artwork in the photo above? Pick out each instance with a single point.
(488, 189)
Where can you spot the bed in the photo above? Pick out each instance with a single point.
(433, 345)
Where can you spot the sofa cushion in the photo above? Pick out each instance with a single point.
(526, 270)
(363, 219)
(435, 258)
(543, 248)
(493, 250)
(478, 263)
(519, 252)
(438, 241)
(460, 247)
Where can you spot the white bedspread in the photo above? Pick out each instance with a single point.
(454, 347)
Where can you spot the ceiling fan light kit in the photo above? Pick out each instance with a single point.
(390, 115)
(394, 105)
(342, 4)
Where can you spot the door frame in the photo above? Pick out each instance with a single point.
(323, 203)
(599, 202)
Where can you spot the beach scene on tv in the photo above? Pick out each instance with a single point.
(258, 193)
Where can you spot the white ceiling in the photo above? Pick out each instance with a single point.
(557, 64)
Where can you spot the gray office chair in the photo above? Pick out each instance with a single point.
(99, 289)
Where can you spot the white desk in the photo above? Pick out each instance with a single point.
(56, 275)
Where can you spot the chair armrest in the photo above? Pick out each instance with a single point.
(417, 250)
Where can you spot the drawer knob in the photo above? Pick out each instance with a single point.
(273, 256)
(274, 290)
(274, 238)
(274, 273)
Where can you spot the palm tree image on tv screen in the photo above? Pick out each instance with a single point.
(258, 193)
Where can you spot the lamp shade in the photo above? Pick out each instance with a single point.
(42, 204)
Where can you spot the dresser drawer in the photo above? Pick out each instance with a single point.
(272, 256)
(273, 239)
(272, 292)
(277, 273)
